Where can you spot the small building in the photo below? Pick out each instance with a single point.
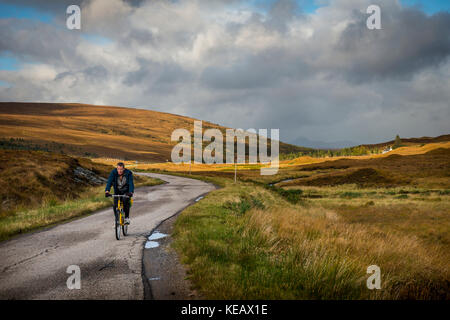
(387, 149)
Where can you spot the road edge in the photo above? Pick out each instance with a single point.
(148, 294)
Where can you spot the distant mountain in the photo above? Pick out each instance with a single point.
(96, 131)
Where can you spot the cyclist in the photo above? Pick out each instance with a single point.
(122, 181)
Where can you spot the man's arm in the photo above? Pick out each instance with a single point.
(131, 186)
(110, 180)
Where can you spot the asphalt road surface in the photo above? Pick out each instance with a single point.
(34, 266)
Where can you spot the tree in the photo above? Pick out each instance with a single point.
(397, 143)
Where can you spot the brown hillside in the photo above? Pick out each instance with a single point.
(30, 177)
(98, 131)
(431, 169)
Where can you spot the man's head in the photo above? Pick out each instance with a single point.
(120, 168)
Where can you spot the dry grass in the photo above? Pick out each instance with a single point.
(50, 212)
(321, 239)
(31, 177)
(422, 213)
(246, 242)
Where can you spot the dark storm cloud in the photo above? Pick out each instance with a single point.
(96, 73)
(91, 74)
(160, 77)
(256, 71)
(37, 41)
(138, 36)
(408, 42)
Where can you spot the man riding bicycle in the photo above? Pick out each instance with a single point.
(122, 181)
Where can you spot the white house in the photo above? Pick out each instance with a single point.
(387, 150)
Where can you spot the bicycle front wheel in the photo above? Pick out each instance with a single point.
(117, 228)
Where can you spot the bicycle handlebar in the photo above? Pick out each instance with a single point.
(118, 196)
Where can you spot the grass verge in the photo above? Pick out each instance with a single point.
(245, 241)
(53, 211)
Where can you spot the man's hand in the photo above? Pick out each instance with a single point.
(107, 194)
(130, 194)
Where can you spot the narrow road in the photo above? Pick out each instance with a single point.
(33, 266)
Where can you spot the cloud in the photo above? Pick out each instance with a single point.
(37, 41)
(409, 42)
(323, 76)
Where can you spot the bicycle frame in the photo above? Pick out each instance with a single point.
(120, 207)
(119, 216)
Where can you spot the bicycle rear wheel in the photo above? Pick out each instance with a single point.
(125, 229)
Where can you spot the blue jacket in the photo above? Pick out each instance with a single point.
(112, 180)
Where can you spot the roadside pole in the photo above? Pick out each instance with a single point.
(235, 168)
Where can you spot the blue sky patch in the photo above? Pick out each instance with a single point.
(306, 6)
(100, 40)
(23, 12)
(8, 63)
(4, 84)
(429, 6)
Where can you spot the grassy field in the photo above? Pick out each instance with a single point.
(248, 242)
(313, 236)
(41, 189)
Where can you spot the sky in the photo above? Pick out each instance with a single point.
(310, 68)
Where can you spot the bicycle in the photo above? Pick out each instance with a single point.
(120, 216)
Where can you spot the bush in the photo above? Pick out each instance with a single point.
(245, 203)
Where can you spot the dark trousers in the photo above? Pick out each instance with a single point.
(125, 203)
